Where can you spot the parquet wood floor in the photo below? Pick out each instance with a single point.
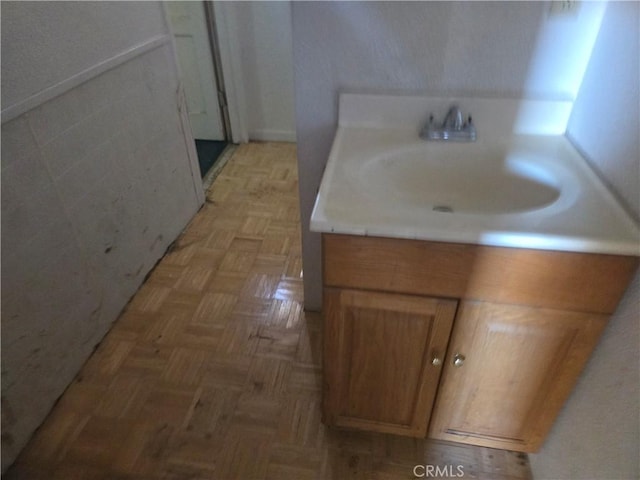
(213, 370)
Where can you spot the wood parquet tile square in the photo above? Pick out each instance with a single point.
(213, 371)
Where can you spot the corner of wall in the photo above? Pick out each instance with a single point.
(597, 434)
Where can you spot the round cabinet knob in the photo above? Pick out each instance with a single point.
(458, 360)
(436, 361)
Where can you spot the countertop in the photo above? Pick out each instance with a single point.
(585, 217)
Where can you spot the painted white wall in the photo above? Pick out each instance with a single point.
(98, 178)
(260, 67)
(62, 41)
(605, 121)
(598, 432)
(508, 49)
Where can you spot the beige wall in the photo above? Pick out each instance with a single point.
(97, 180)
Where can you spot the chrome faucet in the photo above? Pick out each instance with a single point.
(453, 119)
(452, 128)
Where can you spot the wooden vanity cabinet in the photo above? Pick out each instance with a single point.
(526, 323)
(384, 354)
(516, 366)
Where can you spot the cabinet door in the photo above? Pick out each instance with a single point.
(514, 368)
(383, 355)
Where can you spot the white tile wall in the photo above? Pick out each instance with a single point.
(95, 185)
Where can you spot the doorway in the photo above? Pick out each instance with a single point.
(193, 29)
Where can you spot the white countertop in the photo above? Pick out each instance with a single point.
(359, 200)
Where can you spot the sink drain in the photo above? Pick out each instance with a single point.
(442, 208)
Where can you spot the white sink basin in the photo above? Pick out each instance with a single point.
(459, 178)
(522, 184)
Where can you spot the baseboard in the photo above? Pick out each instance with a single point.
(267, 135)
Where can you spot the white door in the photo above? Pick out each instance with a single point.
(189, 26)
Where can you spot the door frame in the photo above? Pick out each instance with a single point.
(221, 21)
(214, 47)
(225, 47)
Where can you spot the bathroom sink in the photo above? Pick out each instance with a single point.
(459, 178)
(521, 184)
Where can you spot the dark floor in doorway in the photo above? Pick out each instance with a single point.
(208, 153)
